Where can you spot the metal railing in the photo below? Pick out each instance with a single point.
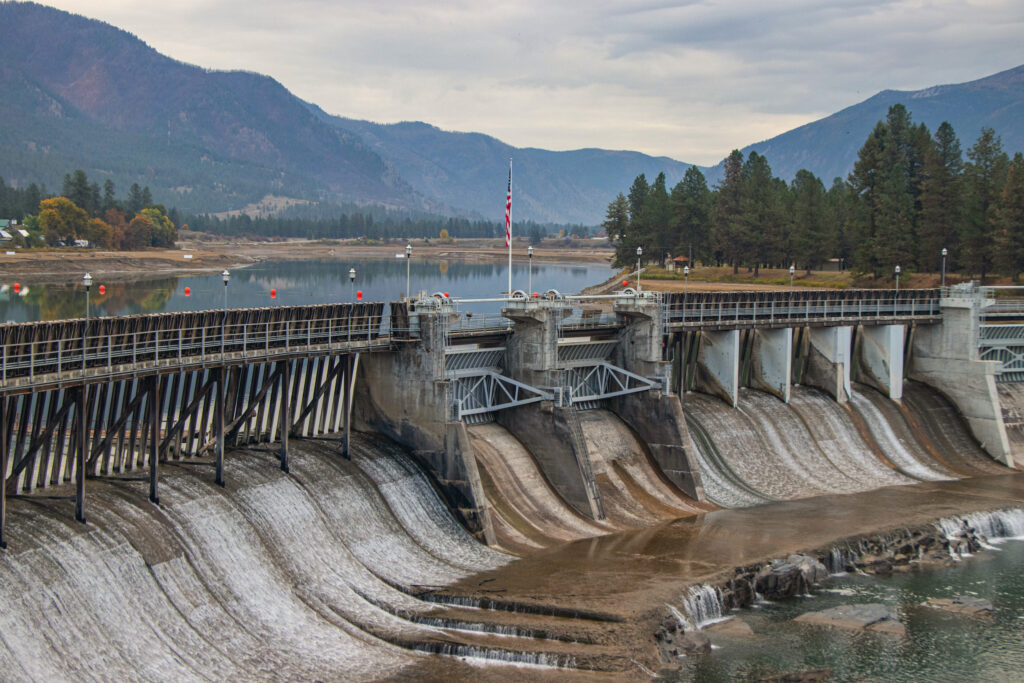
(33, 354)
(739, 309)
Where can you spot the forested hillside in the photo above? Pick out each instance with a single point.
(911, 194)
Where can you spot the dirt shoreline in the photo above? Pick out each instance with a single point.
(68, 265)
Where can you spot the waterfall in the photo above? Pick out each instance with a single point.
(994, 527)
(703, 605)
(838, 560)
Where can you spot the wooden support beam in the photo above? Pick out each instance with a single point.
(286, 420)
(154, 439)
(321, 390)
(83, 393)
(218, 425)
(4, 444)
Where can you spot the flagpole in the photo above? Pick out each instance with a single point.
(508, 226)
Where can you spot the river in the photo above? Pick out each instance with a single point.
(294, 283)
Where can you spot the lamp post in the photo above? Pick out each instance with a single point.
(686, 277)
(945, 252)
(898, 271)
(352, 282)
(225, 276)
(792, 271)
(639, 252)
(408, 259)
(87, 281)
(529, 251)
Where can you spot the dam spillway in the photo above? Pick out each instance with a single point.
(349, 553)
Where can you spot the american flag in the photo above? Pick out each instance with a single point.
(508, 208)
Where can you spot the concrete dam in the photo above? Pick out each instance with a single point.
(295, 492)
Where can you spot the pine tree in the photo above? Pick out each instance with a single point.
(941, 200)
(813, 233)
(690, 206)
(1009, 218)
(727, 225)
(984, 176)
(760, 227)
(657, 237)
(616, 227)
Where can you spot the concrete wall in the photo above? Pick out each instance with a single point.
(718, 365)
(549, 434)
(946, 357)
(404, 396)
(771, 367)
(828, 361)
(659, 421)
(880, 358)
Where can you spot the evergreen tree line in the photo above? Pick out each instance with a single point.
(910, 195)
(85, 212)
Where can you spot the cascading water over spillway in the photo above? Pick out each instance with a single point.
(767, 450)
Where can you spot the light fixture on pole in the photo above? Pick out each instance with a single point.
(686, 276)
(352, 282)
(945, 252)
(639, 251)
(792, 271)
(529, 292)
(898, 271)
(225, 276)
(87, 281)
(408, 260)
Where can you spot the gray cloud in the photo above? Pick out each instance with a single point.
(690, 80)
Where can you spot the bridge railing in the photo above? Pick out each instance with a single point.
(776, 307)
(72, 349)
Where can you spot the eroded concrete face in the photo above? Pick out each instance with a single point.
(881, 359)
(771, 369)
(718, 365)
(828, 362)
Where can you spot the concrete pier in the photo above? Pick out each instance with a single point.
(771, 366)
(828, 362)
(881, 358)
(718, 365)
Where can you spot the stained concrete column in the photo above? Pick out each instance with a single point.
(828, 361)
(771, 366)
(946, 357)
(640, 341)
(718, 365)
(880, 363)
(531, 354)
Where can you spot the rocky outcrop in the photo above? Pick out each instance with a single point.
(868, 617)
(961, 604)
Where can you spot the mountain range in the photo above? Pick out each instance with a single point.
(79, 93)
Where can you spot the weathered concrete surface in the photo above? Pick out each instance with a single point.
(946, 357)
(880, 358)
(867, 617)
(548, 434)
(718, 365)
(640, 342)
(661, 425)
(771, 367)
(532, 348)
(828, 361)
(404, 396)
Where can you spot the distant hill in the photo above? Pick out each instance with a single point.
(828, 147)
(79, 93)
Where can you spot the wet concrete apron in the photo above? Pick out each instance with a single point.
(606, 595)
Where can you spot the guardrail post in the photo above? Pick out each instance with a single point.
(286, 412)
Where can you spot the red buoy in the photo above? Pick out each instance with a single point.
(273, 294)
(188, 291)
(103, 289)
(536, 295)
(446, 295)
(625, 283)
(17, 287)
(359, 295)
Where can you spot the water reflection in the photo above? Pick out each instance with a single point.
(295, 282)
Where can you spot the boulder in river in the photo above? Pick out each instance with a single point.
(786, 578)
(961, 604)
(867, 617)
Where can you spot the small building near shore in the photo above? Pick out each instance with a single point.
(677, 263)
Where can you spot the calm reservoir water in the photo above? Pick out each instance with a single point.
(296, 282)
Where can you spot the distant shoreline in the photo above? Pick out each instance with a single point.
(55, 266)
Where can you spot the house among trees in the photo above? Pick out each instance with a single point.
(677, 263)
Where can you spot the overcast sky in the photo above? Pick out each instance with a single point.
(689, 80)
